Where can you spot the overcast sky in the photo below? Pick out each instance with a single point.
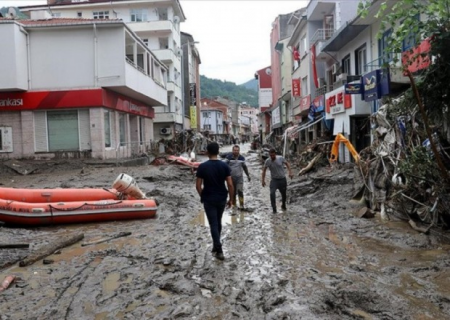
(233, 36)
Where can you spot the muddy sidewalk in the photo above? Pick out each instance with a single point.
(317, 260)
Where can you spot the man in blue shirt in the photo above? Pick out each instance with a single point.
(210, 185)
(238, 167)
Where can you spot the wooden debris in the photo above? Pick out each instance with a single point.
(50, 249)
(14, 245)
(5, 284)
(413, 225)
(365, 212)
(310, 164)
(119, 235)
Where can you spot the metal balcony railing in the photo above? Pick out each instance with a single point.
(321, 35)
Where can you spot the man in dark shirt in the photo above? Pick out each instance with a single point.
(210, 185)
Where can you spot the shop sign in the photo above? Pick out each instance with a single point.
(192, 94)
(338, 99)
(296, 87)
(337, 109)
(193, 116)
(417, 58)
(376, 84)
(305, 102)
(353, 88)
(11, 102)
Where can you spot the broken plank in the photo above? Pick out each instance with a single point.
(50, 249)
(119, 235)
(14, 245)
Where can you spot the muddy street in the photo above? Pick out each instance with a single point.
(316, 260)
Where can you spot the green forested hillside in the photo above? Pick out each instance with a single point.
(210, 88)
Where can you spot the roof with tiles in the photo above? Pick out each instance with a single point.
(59, 21)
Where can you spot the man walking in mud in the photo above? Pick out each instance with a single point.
(237, 165)
(278, 178)
(210, 185)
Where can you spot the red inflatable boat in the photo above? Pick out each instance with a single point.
(34, 207)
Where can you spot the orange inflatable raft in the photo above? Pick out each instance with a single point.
(35, 207)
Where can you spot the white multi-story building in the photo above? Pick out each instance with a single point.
(212, 121)
(76, 88)
(157, 23)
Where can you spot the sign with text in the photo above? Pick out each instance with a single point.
(305, 102)
(353, 88)
(338, 100)
(296, 87)
(192, 94)
(193, 115)
(417, 58)
(376, 84)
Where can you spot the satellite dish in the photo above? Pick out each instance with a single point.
(176, 19)
(268, 71)
(12, 12)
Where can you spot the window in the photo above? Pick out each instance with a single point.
(383, 43)
(79, 14)
(101, 14)
(207, 126)
(361, 60)
(206, 114)
(145, 42)
(303, 47)
(107, 119)
(122, 128)
(304, 86)
(56, 14)
(346, 65)
(139, 15)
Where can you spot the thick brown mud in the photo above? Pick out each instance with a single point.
(316, 260)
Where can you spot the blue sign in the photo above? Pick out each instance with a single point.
(376, 84)
(370, 85)
(353, 88)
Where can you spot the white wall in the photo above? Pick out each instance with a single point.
(110, 55)
(64, 52)
(13, 58)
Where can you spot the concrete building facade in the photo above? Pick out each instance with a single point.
(77, 88)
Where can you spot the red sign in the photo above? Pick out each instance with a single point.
(413, 59)
(338, 99)
(305, 102)
(39, 100)
(313, 62)
(296, 87)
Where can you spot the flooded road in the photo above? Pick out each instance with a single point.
(317, 260)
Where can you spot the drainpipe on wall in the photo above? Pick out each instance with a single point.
(95, 56)
(28, 56)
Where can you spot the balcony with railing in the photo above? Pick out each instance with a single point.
(162, 26)
(319, 38)
(392, 61)
(138, 74)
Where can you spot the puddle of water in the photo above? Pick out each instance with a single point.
(227, 218)
(111, 283)
(362, 314)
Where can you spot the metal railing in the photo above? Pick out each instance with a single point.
(135, 149)
(322, 35)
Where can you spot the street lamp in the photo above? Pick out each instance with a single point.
(183, 87)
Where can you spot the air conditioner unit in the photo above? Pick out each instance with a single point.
(165, 131)
(335, 68)
(342, 77)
